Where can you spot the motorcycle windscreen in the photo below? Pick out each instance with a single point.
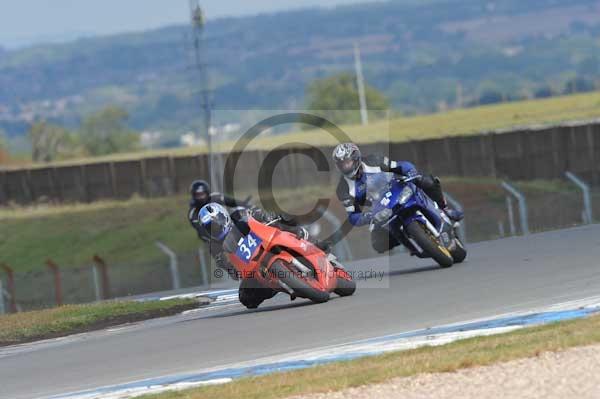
(378, 187)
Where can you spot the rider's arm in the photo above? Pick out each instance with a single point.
(355, 214)
(282, 222)
(226, 200)
(219, 254)
(403, 168)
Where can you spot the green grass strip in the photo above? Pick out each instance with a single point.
(481, 351)
(50, 323)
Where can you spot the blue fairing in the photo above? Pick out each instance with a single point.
(406, 212)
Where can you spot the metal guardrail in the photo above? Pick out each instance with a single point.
(522, 207)
(2, 306)
(587, 196)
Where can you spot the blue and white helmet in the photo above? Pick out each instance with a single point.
(216, 220)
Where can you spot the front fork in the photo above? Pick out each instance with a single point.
(446, 235)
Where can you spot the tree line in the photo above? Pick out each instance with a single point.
(101, 133)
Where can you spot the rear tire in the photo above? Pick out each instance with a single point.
(429, 244)
(459, 253)
(300, 287)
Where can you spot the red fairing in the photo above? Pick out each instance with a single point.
(274, 244)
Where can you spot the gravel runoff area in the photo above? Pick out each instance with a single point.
(574, 373)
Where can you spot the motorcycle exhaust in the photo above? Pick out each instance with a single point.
(287, 289)
(301, 267)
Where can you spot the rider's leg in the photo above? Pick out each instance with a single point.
(433, 188)
(252, 294)
(382, 241)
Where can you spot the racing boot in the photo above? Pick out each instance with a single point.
(454, 214)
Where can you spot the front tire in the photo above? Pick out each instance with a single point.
(298, 285)
(459, 253)
(429, 244)
(344, 287)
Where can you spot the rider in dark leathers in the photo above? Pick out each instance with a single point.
(351, 190)
(201, 195)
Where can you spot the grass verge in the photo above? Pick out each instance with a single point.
(473, 352)
(125, 232)
(122, 232)
(51, 323)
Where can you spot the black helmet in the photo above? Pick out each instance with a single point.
(216, 220)
(347, 159)
(200, 192)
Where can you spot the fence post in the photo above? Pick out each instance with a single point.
(84, 194)
(101, 265)
(2, 307)
(145, 191)
(522, 206)
(12, 304)
(204, 271)
(457, 205)
(501, 229)
(172, 264)
(511, 216)
(587, 197)
(112, 179)
(96, 279)
(3, 190)
(57, 283)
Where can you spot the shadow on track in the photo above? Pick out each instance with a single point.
(404, 272)
(265, 309)
(413, 270)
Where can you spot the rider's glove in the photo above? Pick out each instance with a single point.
(366, 217)
(302, 233)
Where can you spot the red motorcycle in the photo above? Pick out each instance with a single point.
(278, 261)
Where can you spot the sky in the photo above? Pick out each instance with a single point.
(26, 22)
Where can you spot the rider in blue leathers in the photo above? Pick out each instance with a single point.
(352, 188)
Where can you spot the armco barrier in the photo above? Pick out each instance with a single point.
(518, 155)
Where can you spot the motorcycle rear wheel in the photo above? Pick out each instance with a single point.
(301, 289)
(430, 244)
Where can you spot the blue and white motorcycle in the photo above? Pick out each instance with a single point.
(414, 219)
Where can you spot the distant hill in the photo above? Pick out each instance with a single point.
(424, 54)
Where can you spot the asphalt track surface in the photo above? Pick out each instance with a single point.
(499, 277)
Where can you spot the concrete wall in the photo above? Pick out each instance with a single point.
(519, 155)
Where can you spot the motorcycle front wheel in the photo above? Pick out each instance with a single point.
(290, 277)
(429, 244)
